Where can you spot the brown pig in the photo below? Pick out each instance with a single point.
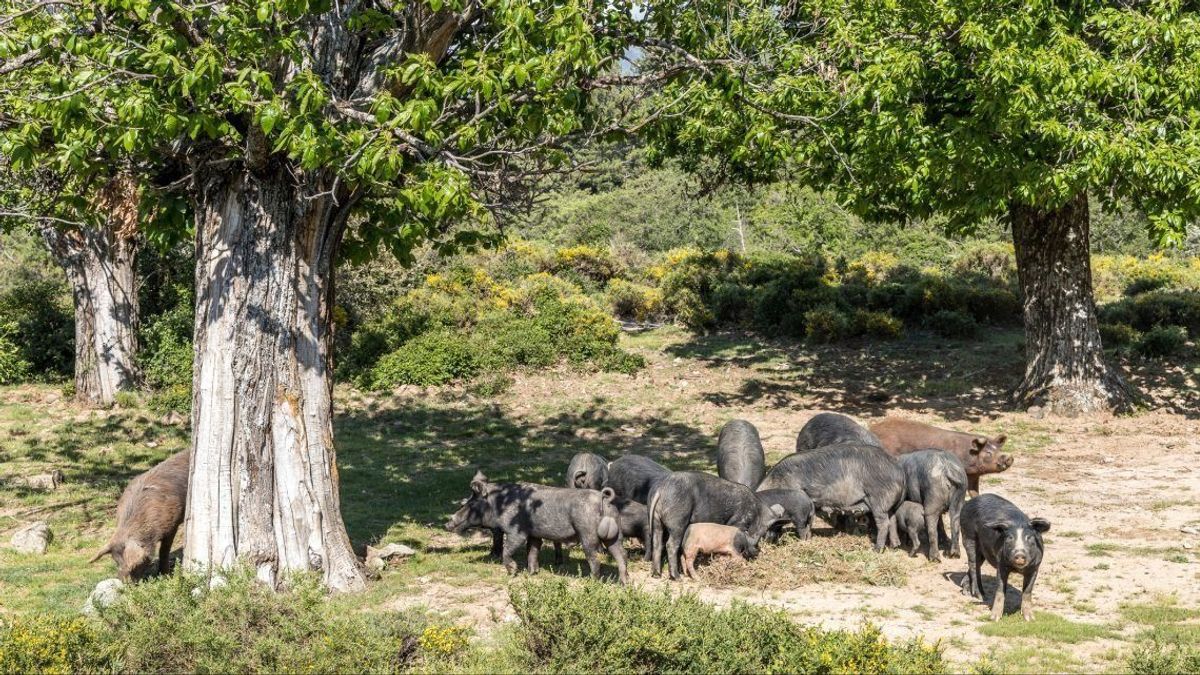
(714, 539)
(148, 514)
(980, 454)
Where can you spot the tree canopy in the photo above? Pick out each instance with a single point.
(950, 106)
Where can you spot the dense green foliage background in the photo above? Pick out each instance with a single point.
(627, 241)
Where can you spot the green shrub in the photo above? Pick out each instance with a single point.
(877, 325)
(1156, 658)
(1162, 342)
(492, 384)
(52, 644)
(633, 301)
(244, 627)
(1140, 285)
(426, 360)
(1167, 308)
(993, 305)
(952, 324)
(128, 400)
(40, 323)
(175, 398)
(13, 366)
(732, 303)
(596, 627)
(620, 361)
(166, 353)
(826, 324)
(995, 261)
(1118, 335)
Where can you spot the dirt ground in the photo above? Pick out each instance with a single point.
(1117, 491)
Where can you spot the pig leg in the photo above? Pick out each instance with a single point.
(893, 533)
(974, 567)
(497, 543)
(932, 523)
(512, 543)
(617, 551)
(689, 562)
(955, 514)
(803, 529)
(674, 553)
(882, 528)
(914, 539)
(589, 551)
(533, 550)
(1027, 595)
(164, 553)
(558, 553)
(973, 485)
(998, 599)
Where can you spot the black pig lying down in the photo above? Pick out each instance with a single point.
(634, 477)
(937, 480)
(797, 507)
(831, 429)
(994, 529)
(844, 478)
(587, 471)
(740, 455)
(528, 514)
(687, 497)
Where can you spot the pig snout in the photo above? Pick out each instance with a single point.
(1019, 561)
(1005, 461)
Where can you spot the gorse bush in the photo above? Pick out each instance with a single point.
(1159, 657)
(166, 356)
(13, 366)
(952, 324)
(39, 322)
(53, 644)
(596, 627)
(428, 359)
(1162, 342)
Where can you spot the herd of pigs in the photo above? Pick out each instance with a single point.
(901, 476)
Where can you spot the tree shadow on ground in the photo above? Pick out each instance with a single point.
(413, 463)
(960, 380)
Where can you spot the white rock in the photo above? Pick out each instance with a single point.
(378, 558)
(44, 481)
(33, 538)
(103, 595)
(1188, 529)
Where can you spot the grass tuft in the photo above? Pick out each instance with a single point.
(1046, 626)
(841, 558)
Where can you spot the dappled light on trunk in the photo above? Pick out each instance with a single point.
(1066, 371)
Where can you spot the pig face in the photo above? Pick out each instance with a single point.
(133, 562)
(985, 456)
(475, 511)
(1021, 546)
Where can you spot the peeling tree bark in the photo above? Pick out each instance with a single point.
(100, 266)
(1065, 371)
(263, 488)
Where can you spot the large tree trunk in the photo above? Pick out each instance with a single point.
(263, 489)
(100, 265)
(1065, 370)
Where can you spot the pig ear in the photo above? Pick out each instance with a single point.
(1040, 524)
(101, 553)
(1000, 440)
(977, 445)
(999, 528)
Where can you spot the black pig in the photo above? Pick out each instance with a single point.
(994, 529)
(796, 506)
(831, 429)
(740, 454)
(937, 480)
(587, 471)
(634, 476)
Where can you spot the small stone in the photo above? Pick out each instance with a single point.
(1187, 545)
(33, 538)
(376, 563)
(151, 444)
(378, 558)
(104, 595)
(44, 481)
(1188, 529)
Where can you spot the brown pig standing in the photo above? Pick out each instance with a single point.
(148, 514)
(980, 454)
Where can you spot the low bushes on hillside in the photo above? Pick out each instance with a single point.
(597, 627)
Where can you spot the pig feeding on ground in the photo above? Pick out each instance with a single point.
(831, 429)
(846, 478)
(936, 480)
(587, 471)
(529, 514)
(713, 540)
(797, 507)
(687, 497)
(979, 454)
(633, 477)
(995, 530)
(740, 456)
(149, 513)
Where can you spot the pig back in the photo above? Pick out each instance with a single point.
(740, 456)
(839, 476)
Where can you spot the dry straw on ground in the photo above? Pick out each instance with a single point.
(793, 563)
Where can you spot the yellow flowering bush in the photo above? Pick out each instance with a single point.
(443, 640)
(51, 644)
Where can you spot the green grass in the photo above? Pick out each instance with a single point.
(1164, 610)
(1045, 626)
(1101, 549)
(1026, 659)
